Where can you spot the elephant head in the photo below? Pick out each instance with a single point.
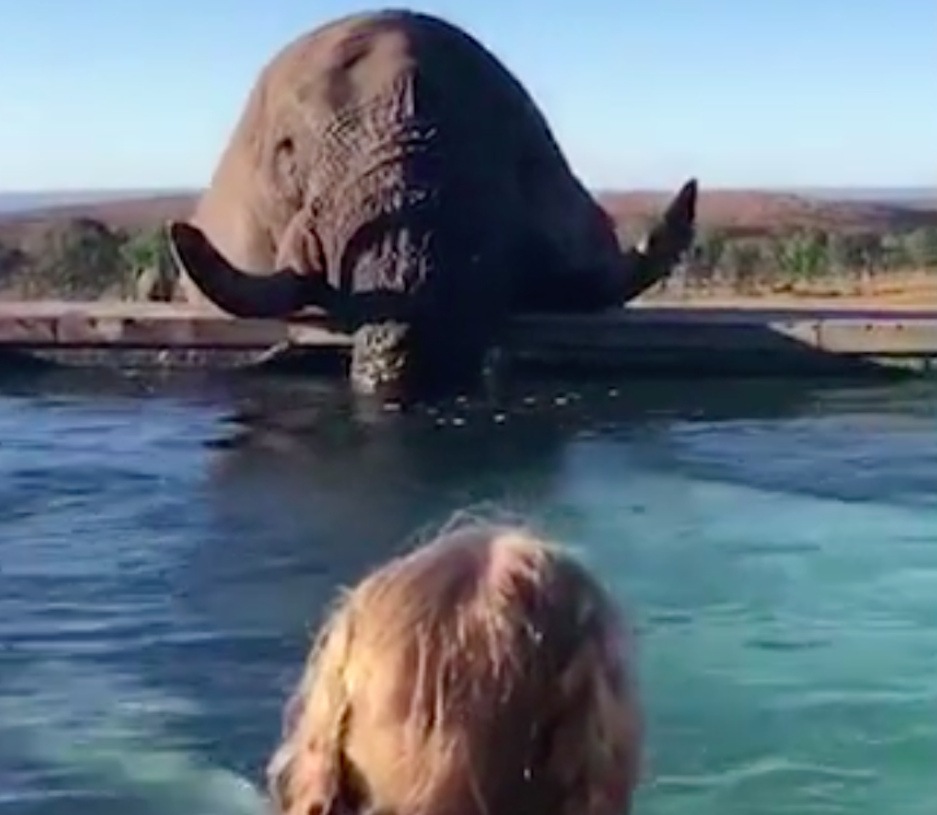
(425, 330)
(418, 298)
(359, 181)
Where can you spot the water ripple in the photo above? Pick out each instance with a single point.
(166, 548)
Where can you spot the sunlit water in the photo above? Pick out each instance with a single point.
(161, 564)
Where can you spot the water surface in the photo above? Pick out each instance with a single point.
(165, 547)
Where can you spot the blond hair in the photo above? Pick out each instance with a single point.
(481, 673)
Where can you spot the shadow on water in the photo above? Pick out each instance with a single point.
(307, 487)
(293, 460)
(307, 462)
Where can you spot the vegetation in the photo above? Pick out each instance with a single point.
(80, 258)
(814, 260)
(752, 244)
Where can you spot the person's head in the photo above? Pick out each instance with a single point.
(485, 672)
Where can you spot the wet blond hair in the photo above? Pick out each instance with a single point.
(480, 673)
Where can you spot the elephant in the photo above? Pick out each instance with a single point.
(389, 171)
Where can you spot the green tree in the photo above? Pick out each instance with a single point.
(705, 259)
(871, 252)
(921, 248)
(11, 261)
(142, 249)
(10, 255)
(743, 260)
(72, 258)
(844, 253)
(802, 256)
(893, 252)
(148, 264)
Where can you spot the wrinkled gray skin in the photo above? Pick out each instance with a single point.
(389, 170)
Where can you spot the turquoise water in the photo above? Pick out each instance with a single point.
(165, 546)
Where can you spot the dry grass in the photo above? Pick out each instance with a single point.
(912, 289)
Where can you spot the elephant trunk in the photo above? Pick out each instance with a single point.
(243, 293)
(656, 256)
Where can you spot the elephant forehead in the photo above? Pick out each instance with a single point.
(363, 75)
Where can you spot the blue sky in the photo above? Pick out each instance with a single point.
(111, 93)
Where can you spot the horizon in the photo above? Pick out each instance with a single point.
(22, 202)
(196, 189)
(803, 96)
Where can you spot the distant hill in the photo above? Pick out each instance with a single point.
(19, 202)
(916, 197)
(739, 211)
(765, 212)
(880, 195)
(134, 212)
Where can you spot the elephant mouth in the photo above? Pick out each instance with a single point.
(389, 253)
(390, 246)
(379, 358)
(397, 360)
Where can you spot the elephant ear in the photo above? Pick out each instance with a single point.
(254, 293)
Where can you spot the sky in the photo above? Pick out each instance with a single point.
(640, 93)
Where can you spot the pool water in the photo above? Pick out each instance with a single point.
(166, 546)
